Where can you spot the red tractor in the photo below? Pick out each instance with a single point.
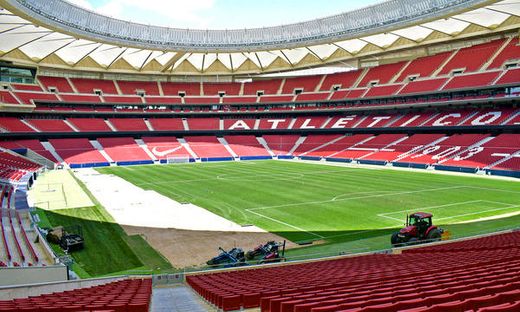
(419, 229)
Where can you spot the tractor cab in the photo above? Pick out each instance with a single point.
(419, 228)
(418, 222)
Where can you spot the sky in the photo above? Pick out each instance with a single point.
(220, 14)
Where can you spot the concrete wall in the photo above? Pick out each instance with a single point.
(44, 280)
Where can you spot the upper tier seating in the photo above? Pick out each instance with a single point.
(246, 145)
(510, 77)
(211, 89)
(30, 97)
(131, 295)
(383, 74)
(472, 58)
(123, 149)
(471, 81)
(61, 84)
(424, 66)
(131, 87)
(510, 53)
(381, 91)
(459, 280)
(276, 98)
(343, 80)
(207, 146)
(307, 84)
(423, 86)
(164, 147)
(77, 151)
(267, 86)
(90, 124)
(88, 86)
(173, 88)
(239, 99)
(202, 100)
(8, 98)
(311, 97)
(80, 98)
(163, 100)
(27, 87)
(50, 125)
(123, 99)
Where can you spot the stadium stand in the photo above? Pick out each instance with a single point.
(166, 124)
(128, 124)
(305, 84)
(132, 295)
(174, 88)
(281, 144)
(60, 84)
(266, 86)
(77, 151)
(123, 150)
(342, 80)
(12, 124)
(382, 74)
(424, 66)
(460, 281)
(472, 58)
(246, 145)
(204, 123)
(164, 147)
(207, 147)
(89, 86)
(510, 54)
(212, 89)
(133, 87)
(471, 81)
(8, 97)
(90, 124)
(50, 125)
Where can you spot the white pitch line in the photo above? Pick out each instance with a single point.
(284, 223)
(358, 197)
(479, 212)
(431, 207)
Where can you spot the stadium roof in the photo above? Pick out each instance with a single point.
(57, 34)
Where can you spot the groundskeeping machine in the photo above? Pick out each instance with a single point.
(419, 229)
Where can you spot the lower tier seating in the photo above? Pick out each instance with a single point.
(476, 278)
(131, 295)
(478, 151)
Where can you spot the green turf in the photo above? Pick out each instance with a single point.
(350, 209)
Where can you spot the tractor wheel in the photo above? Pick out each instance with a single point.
(395, 240)
(434, 235)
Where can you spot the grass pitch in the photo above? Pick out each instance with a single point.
(344, 208)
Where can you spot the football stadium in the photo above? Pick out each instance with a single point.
(310, 156)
